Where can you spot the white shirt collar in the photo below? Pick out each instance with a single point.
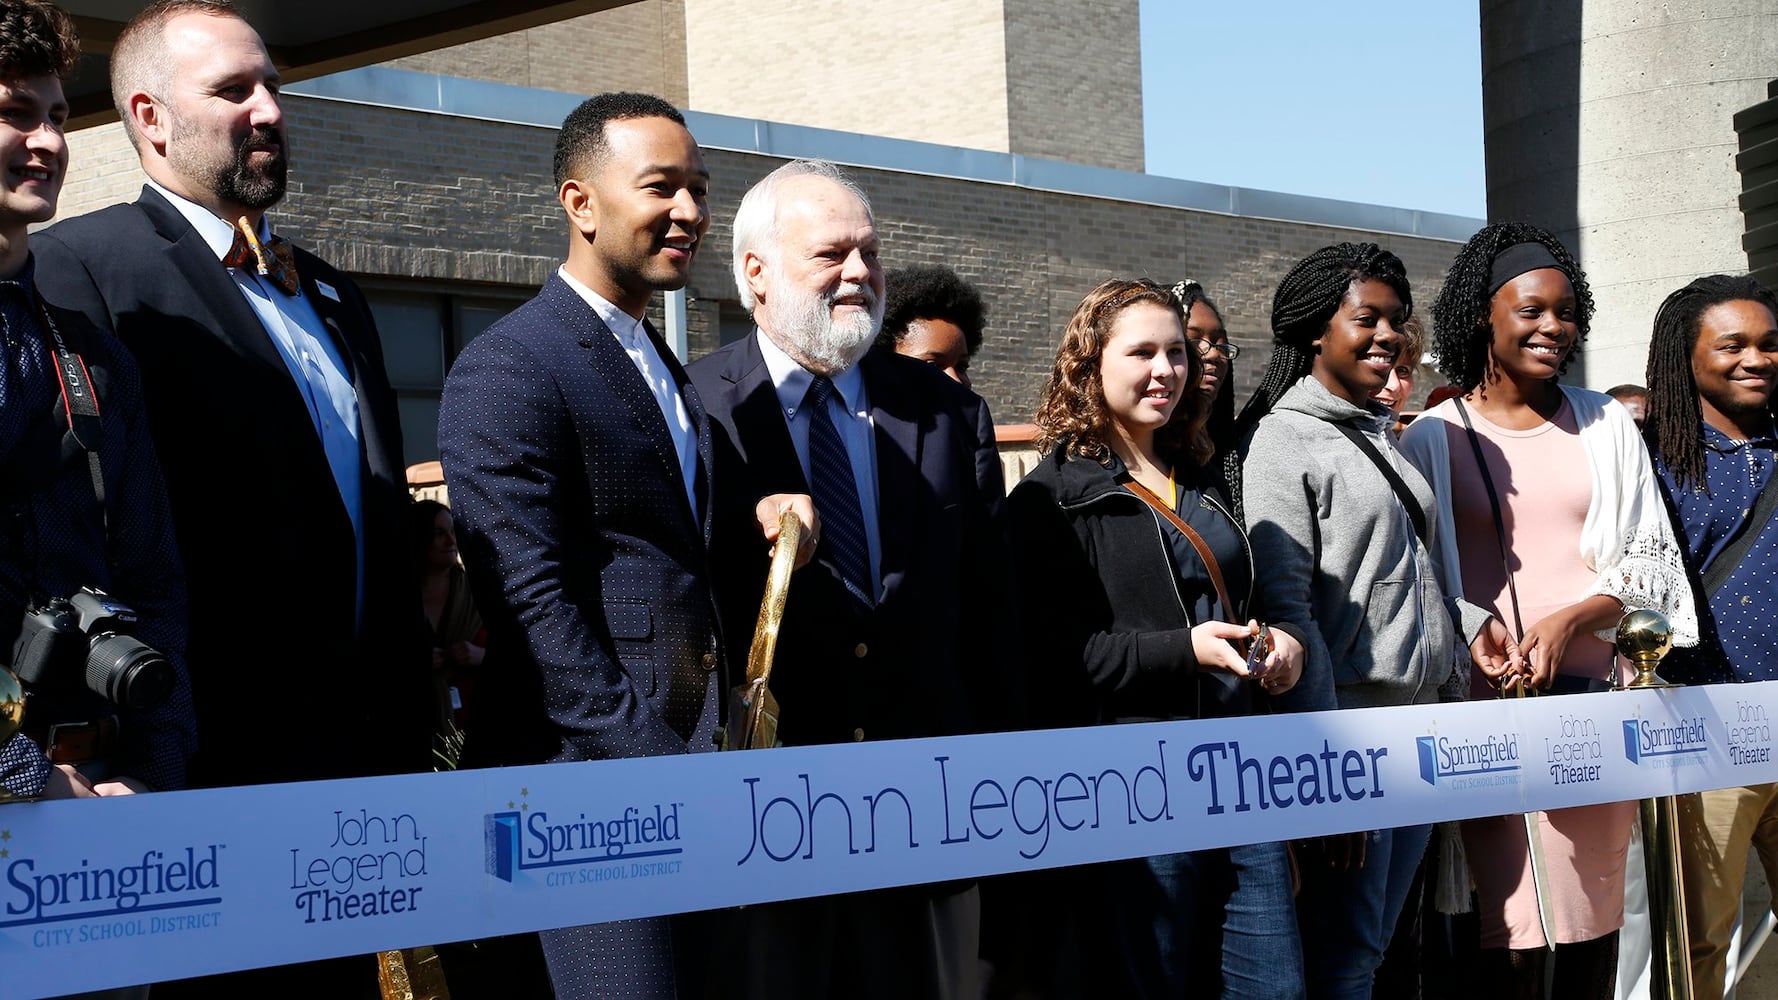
(792, 380)
(219, 234)
(627, 328)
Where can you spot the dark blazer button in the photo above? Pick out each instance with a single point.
(858, 736)
(860, 650)
(708, 661)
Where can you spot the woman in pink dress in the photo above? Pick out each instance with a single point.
(1556, 526)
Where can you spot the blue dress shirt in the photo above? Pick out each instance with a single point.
(1739, 639)
(849, 406)
(316, 365)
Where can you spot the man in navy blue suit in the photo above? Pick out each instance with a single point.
(276, 428)
(579, 464)
(262, 372)
(891, 632)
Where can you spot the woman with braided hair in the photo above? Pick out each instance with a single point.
(1340, 521)
(1206, 334)
(1549, 517)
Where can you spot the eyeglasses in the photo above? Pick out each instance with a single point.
(1206, 348)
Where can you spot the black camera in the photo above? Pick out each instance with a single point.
(85, 637)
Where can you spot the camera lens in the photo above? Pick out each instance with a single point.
(128, 672)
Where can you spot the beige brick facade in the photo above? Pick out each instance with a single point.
(1060, 79)
(933, 71)
(466, 203)
(639, 46)
(102, 170)
(1074, 81)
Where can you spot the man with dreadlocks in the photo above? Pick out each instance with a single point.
(1341, 523)
(1712, 367)
(1549, 486)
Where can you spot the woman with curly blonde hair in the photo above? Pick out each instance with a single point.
(1142, 579)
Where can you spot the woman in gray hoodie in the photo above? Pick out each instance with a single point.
(1339, 523)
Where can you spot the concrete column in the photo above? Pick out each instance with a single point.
(1611, 123)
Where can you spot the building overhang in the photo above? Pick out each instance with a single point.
(318, 37)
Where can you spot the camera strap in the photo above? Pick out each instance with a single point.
(79, 400)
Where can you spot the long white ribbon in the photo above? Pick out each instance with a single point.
(155, 887)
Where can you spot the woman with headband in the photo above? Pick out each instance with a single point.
(1550, 518)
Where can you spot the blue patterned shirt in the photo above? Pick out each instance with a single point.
(1739, 630)
(53, 540)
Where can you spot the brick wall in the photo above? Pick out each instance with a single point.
(1074, 81)
(639, 46)
(461, 201)
(102, 170)
(1060, 79)
(933, 71)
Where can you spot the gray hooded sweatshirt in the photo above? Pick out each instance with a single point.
(1335, 553)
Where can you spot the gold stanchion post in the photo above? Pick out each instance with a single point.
(12, 715)
(1644, 637)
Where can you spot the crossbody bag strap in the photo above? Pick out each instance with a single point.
(79, 398)
(1725, 562)
(1475, 445)
(1396, 483)
(1191, 535)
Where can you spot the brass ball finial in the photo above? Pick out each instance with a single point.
(1644, 637)
(12, 705)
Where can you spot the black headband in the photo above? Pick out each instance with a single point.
(1518, 259)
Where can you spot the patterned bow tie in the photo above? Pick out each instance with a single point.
(274, 259)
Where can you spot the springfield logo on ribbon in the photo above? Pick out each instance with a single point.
(1666, 742)
(368, 867)
(584, 848)
(1474, 762)
(156, 891)
(1750, 734)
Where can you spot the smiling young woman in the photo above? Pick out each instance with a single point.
(1552, 521)
(1143, 581)
(1336, 516)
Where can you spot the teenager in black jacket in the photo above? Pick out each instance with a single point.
(1134, 629)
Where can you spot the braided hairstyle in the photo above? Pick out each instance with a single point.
(1461, 333)
(1304, 303)
(1218, 435)
(1675, 417)
(1072, 414)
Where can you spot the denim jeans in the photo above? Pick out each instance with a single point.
(1187, 920)
(1346, 915)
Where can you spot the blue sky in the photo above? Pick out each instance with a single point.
(1378, 103)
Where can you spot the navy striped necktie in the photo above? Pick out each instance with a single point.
(836, 495)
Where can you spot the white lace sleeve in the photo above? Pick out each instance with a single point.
(1642, 566)
(1649, 575)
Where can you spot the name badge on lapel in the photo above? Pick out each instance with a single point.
(326, 289)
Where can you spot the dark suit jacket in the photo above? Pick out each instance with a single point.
(586, 558)
(286, 686)
(927, 660)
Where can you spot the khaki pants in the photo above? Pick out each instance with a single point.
(1716, 828)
